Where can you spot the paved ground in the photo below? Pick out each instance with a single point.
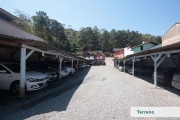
(105, 93)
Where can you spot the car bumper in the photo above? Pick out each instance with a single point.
(32, 86)
(64, 74)
(176, 84)
(130, 72)
(52, 78)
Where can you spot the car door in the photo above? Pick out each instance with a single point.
(4, 78)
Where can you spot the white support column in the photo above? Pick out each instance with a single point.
(60, 66)
(22, 72)
(155, 59)
(72, 62)
(155, 73)
(133, 60)
(124, 64)
(77, 63)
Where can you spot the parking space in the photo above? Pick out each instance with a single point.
(10, 103)
(103, 93)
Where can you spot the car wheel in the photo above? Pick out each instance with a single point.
(15, 88)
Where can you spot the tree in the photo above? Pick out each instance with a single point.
(25, 22)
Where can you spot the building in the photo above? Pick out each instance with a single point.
(119, 53)
(172, 35)
(128, 51)
(143, 46)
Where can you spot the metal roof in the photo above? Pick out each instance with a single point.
(175, 46)
(9, 29)
(8, 15)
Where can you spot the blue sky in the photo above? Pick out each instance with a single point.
(154, 17)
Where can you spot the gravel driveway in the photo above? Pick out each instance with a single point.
(105, 93)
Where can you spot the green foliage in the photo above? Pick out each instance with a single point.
(25, 22)
(86, 39)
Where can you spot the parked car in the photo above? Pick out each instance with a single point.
(176, 79)
(10, 77)
(91, 58)
(87, 58)
(38, 66)
(70, 69)
(64, 71)
(84, 65)
(165, 75)
(80, 66)
(142, 70)
(103, 63)
(95, 63)
(127, 67)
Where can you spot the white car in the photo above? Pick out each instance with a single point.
(10, 76)
(64, 72)
(91, 58)
(71, 70)
(87, 58)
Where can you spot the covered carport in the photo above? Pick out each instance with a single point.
(158, 55)
(30, 44)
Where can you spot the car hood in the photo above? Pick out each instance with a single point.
(68, 67)
(35, 74)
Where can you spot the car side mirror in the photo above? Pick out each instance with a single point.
(3, 71)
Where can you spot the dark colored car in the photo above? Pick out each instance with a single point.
(64, 71)
(165, 75)
(38, 66)
(148, 70)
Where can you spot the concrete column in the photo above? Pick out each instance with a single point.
(60, 66)
(155, 73)
(72, 62)
(124, 64)
(77, 64)
(23, 72)
(133, 60)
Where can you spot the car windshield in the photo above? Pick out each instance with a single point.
(63, 68)
(15, 67)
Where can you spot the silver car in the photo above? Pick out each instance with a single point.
(176, 80)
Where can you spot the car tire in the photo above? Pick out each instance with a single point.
(15, 88)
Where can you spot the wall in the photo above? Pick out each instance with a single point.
(127, 51)
(119, 54)
(145, 47)
(172, 36)
(148, 46)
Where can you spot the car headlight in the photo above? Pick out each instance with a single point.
(31, 80)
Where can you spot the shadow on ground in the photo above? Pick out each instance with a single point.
(11, 104)
(148, 78)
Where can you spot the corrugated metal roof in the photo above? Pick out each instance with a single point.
(9, 15)
(175, 46)
(9, 29)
